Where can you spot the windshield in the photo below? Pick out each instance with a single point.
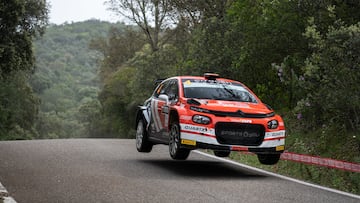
(216, 90)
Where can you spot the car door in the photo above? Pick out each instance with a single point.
(156, 106)
(171, 91)
(164, 96)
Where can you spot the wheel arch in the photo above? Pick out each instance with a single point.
(141, 113)
(174, 116)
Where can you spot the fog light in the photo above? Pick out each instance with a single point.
(201, 119)
(273, 124)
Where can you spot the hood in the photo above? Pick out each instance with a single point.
(234, 108)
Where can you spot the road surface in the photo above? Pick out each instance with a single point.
(111, 170)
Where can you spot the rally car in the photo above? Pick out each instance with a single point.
(209, 112)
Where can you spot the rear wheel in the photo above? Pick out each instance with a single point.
(222, 153)
(268, 159)
(176, 152)
(142, 142)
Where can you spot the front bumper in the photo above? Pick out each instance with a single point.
(194, 137)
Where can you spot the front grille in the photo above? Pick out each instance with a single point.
(239, 134)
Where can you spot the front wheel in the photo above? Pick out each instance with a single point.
(142, 142)
(268, 159)
(176, 152)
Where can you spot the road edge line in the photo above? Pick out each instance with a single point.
(279, 176)
(4, 195)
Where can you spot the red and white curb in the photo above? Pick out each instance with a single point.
(4, 195)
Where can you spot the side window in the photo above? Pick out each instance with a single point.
(161, 89)
(172, 90)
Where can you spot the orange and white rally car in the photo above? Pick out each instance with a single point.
(209, 112)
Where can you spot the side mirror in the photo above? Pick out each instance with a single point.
(164, 97)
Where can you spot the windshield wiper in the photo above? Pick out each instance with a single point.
(230, 91)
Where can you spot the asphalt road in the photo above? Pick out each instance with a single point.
(111, 170)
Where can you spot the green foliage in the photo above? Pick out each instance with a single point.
(305, 144)
(66, 79)
(131, 85)
(301, 57)
(117, 47)
(20, 22)
(18, 108)
(332, 79)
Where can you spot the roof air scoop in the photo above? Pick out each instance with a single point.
(211, 76)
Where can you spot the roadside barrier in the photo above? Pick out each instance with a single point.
(319, 161)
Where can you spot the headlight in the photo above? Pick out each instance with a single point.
(273, 124)
(201, 119)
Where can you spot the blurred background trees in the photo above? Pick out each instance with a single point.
(20, 23)
(301, 57)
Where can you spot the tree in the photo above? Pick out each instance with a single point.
(332, 79)
(119, 46)
(20, 22)
(153, 17)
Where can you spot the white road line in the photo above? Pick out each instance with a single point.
(9, 200)
(4, 195)
(3, 191)
(279, 176)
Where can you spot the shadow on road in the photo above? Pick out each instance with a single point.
(204, 169)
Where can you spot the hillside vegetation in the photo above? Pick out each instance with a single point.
(300, 57)
(66, 78)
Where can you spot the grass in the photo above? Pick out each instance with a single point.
(332, 178)
(324, 143)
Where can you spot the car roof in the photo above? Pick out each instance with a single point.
(201, 78)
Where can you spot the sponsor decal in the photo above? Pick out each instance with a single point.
(188, 142)
(276, 134)
(195, 128)
(245, 121)
(244, 134)
(188, 82)
(239, 148)
(280, 148)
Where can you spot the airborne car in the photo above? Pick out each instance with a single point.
(209, 112)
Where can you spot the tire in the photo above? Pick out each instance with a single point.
(175, 150)
(222, 153)
(142, 142)
(268, 159)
